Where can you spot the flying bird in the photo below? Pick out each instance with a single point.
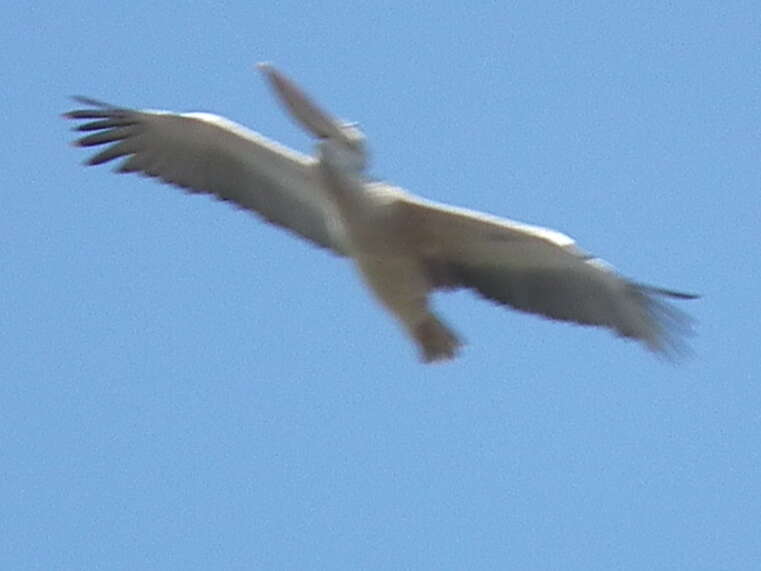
(403, 246)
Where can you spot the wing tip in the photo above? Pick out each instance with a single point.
(668, 292)
(665, 327)
(85, 100)
(95, 109)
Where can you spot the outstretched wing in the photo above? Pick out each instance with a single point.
(201, 152)
(539, 271)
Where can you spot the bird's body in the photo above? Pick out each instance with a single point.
(404, 247)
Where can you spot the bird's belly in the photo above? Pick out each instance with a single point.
(372, 228)
(398, 282)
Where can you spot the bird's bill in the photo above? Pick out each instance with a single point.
(321, 124)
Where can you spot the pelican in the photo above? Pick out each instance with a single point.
(403, 246)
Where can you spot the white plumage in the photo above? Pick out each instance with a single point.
(403, 246)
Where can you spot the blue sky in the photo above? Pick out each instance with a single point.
(185, 387)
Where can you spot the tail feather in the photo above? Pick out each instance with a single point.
(435, 340)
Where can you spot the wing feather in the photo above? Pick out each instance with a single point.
(204, 153)
(539, 271)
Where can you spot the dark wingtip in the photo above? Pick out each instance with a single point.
(668, 292)
(90, 101)
(96, 109)
(683, 295)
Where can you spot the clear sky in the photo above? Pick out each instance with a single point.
(186, 387)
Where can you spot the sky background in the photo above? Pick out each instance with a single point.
(185, 387)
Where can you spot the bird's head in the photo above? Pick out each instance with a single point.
(347, 152)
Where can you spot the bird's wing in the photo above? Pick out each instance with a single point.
(537, 270)
(201, 152)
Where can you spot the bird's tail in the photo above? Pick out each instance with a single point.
(435, 340)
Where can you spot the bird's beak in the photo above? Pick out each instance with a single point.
(321, 124)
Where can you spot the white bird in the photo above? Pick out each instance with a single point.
(403, 246)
